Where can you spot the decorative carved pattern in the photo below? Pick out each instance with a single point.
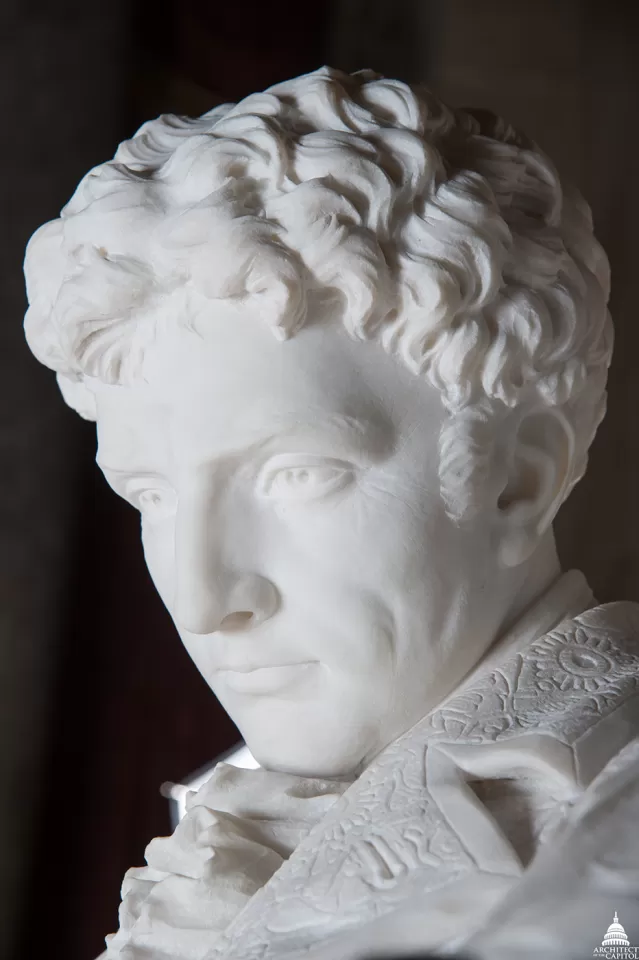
(566, 680)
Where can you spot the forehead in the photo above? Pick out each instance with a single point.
(233, 383)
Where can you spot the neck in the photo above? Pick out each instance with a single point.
(535, 577)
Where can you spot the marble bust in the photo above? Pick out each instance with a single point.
(346, 349)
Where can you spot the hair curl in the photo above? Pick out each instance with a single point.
(444, 233)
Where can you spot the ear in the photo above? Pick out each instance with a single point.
(538, 467)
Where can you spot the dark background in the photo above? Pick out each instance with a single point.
(99, 703)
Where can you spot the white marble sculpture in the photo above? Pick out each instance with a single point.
(346, 349)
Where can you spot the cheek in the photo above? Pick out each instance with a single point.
(348, 570)
(375, 538)
(158, 544)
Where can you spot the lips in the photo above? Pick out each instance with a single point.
(266, 679)
(252, 667)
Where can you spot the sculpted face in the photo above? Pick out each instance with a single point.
(292, 523)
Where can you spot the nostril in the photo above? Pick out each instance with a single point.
(239, 620)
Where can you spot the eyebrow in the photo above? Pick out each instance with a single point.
(370, 438)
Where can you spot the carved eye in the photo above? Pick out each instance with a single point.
(154, 503)
(303, 478)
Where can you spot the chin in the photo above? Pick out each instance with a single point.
(304, 765)
(330, 755)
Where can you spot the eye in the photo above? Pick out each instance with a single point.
(154, 503)
(303, 478)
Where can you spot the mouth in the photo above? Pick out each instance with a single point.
(268, 679)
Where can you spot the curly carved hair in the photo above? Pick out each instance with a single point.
(443, 234)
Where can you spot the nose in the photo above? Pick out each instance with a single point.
(211, 594)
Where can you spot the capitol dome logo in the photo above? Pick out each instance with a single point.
(615, 945)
